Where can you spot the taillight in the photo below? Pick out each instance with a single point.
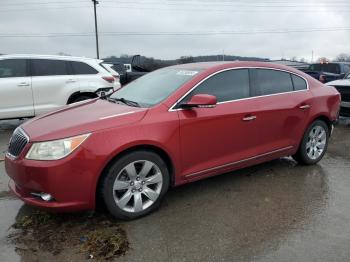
(116, 77)
(322, 78)
(109, 79)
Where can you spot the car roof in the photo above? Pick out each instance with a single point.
(234, 64)
(60, 57)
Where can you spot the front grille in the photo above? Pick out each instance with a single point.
(17, 143)
(344, 92)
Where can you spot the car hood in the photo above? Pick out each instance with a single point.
(81, 118)
(340, 82)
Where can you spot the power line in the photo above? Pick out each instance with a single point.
(194, 3)
(251, 4)
(197, 10)
(42, 3)
(208, 33)
(42, 9)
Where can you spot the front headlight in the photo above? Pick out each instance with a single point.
(57, 149)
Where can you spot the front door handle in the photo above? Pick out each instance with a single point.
(304, 107)
(23, 84)
(249, 118)
(71, 81)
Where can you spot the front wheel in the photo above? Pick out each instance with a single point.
(135, 184)
(314, 143)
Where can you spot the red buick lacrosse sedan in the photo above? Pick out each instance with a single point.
(170, 127)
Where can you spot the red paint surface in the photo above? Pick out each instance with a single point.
(200, 142)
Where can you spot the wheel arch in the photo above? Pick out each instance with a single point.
(324, 118)
(75, 95)
(148, 147)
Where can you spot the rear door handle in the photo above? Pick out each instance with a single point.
(249, 118)
(304, 107)
(23, 84)
(71, 81)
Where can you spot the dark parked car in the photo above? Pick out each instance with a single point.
(125, 76)
(326, 72)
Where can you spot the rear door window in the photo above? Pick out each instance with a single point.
(49, 67)
(13, 68)
(299, 83)
(226, 86)
(119, 68)
(346, 68)
(268, 82)
(80, 68)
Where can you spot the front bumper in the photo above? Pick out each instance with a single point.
(71, 181)
(52, 205)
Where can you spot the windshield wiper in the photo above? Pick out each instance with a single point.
(124, 101)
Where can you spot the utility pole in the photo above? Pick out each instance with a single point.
(96, 30)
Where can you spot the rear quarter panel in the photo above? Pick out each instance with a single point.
(326, 101)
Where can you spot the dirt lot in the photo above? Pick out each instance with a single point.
(278, 211)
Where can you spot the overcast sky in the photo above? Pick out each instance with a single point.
(206, 27)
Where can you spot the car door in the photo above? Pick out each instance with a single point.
(88, 77)
(282, 102)
(16, 98)
(52, 84)
(215, 138)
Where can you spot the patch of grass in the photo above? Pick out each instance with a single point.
(97, 235)
(33, 221)
(106, 243)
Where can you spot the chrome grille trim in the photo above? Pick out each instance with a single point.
(17, 143)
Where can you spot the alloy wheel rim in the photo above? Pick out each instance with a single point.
(137, 186)
(316, 143)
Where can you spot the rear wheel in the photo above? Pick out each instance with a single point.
(135, 184)
(314, 143)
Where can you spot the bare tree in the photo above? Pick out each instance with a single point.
(186, 59)
(343, 57)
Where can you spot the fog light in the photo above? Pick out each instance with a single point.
(43, 196)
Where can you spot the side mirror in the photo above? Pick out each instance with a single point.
(200, 101)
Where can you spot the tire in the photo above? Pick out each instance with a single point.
(80, 98)
(314, 144)
(134, 185)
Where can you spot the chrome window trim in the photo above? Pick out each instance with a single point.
(172, 109)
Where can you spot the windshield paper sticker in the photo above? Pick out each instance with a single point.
(187, 73)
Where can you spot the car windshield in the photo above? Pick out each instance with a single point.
(329, 68)
(154, 87)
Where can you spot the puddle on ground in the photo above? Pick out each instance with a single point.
(84, 235)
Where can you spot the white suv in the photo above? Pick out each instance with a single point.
(31, 85)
